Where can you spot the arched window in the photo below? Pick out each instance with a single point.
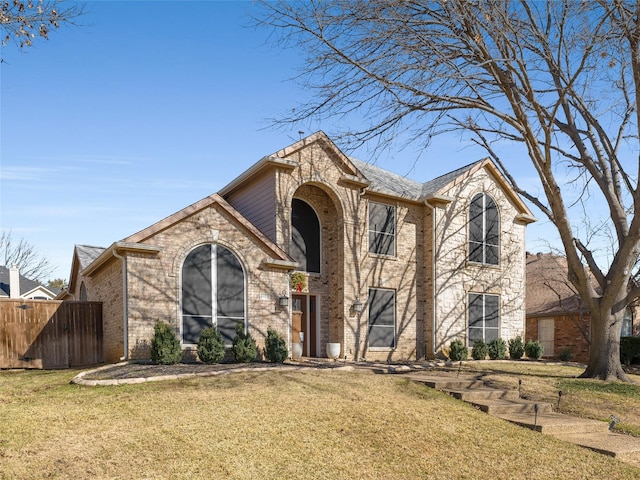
(213, 293)
(83, 292)
(305, 236)
(484, 230)
(627, 323)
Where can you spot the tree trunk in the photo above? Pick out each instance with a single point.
(604, 356)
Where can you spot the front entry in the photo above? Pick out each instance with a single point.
(307, 304)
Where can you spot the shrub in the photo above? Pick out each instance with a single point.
(275, 349)
(629, 350)
(516, 348)
(533, 349)
(244, 346)
(565, 355)
(165, 346)
(210, 346)
(479, 350)
(457, 351)
(497, 349)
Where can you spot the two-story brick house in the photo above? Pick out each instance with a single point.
(393, 269)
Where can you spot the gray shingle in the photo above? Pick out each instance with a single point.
(87, 254)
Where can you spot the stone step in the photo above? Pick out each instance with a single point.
(447, 383)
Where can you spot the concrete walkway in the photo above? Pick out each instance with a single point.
(538, 416)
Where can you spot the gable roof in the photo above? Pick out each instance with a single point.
(548, 290)
(27, 286)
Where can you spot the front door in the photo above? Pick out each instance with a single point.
(307, 304)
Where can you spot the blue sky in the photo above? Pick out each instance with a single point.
(147, 107)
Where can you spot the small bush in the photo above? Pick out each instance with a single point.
(516, 348)
(565, 355)
(497, 349)
(210, 346)
(479, 350)
(457, 351)
(244, 346)
(629, 350)
(165, 346)
(533, 349)
(275, 349)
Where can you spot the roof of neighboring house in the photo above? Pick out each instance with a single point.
(549, 291)
(26, 285)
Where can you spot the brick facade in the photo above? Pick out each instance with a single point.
(429, 273)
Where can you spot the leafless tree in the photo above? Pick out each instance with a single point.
(22, 21)
(558, 79)
(21, 253)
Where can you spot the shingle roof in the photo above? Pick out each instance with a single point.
(87, 254)
(386, 182)
(548, 288)
(26, 285)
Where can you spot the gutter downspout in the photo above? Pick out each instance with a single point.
(125, 303)
(433, 273)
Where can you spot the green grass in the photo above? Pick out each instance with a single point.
(315, 424)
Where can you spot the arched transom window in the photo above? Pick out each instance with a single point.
(484, 230)
(213, 293)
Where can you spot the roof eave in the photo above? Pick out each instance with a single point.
(117, 248)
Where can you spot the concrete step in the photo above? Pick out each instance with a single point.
(504, 407)
(446, 383)
(482, 393)
(557, 423)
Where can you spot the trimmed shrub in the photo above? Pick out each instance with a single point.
(479, 350)
(516, 348)
(565, 355)
(165, 346)
(457, 351)
(533, 349)
(275, 349)
(210, 346)
(497, 349)
(629, 350)
(244, 346)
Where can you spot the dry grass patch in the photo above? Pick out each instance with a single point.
(262, 424)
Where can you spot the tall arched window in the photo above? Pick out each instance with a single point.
(305, 236)
(213, 293)
(484, 230)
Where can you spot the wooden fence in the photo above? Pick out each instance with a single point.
(50, 333)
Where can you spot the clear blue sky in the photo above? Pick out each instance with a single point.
(145, 108)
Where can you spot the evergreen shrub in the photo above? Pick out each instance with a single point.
(165, 345)
(210, 346)
(244, 346)
(275, 349)
(479, 350)
(458, 351)
(516, 348)
(497, 349)
(533, 349)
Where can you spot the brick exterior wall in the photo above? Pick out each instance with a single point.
(430, 299)
(569, 335)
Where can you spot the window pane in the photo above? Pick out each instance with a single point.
(382, 228)
(192, 327)
(475, 334)
(381, 318)
(475, 219)
(492, 222)
(484, 317)
(196, 282)
(305, 236)
(227, 328)
(475, 310)
(491, 255)
(475, 252)
(230, 284)
(491, 311)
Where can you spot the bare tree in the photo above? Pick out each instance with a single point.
(22, 21)
(22, 254)
(558, 79)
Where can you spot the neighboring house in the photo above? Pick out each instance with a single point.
(395, 269)
(556, 314)
(15, 285)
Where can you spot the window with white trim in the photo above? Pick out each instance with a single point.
(382, 318)
(484, 230)
(213, 293)
(484, 317)
(382, 229)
